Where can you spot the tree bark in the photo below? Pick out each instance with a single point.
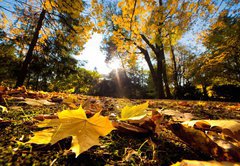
(24, 70)
(157, 81)
(164, 71)
(175, 74)
(159, 73)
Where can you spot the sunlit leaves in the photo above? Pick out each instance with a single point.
(136, 112)
(3, 21)
(222, 41)
(72, 7)
(84, 131)
(156, 21)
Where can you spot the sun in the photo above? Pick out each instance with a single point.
(114, 65)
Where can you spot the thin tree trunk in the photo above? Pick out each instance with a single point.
(205, 94)
(161, 54)
(160, 77)
(24, 70)
(164, 71)
(175, 74)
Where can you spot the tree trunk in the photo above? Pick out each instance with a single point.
(156, 76)
(24, 70)
(160, 77)
(164, 71)
(165, 79)
(205, 93)
(175, 74)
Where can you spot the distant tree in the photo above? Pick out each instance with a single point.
(9, 63)
(221, 60)
(81, 81)
(121, 84)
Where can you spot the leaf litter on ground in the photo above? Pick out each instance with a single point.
(169, 148)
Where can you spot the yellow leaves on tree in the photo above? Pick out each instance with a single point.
(155, 20)
(96, 11)
(84, 131)
(72, 7)
(80, 31)
(3, 20)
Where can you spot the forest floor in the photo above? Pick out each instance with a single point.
(25, 108)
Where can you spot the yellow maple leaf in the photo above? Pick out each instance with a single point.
(134, 112)
(84, 131)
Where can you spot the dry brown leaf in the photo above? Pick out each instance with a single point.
(229, 127)
(42, 117)
(204, 163)
(199, 140)
(34, 102)
(177, 115)
(129, 128)
(157, 119)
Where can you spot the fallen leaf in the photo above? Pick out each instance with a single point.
(34, 102)
(157, 118)
(204, 163)
(92, 105)
(199, 140)
(42, 117)
(136, 112)
(85, 131)
(3, 109)
(129, 128)
(202, 125)
(56, 99)
(229, 127)
(184, 103)
(177, 115)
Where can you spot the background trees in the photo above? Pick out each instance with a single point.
(42, 36)
(42, 23)
(152, 28)
(223, 51)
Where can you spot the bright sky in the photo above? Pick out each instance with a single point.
(95, 57)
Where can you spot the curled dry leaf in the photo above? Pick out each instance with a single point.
(177, 115)
(92, 105)
(129, 128)
(199, 140)
(34, 102)
(42, 117)
(228, 127)
(157, 119)
(204, 163)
